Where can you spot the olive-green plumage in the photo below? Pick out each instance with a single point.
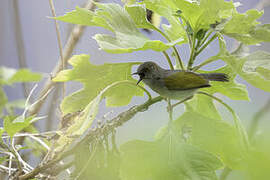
(175, 84)
(185, 80)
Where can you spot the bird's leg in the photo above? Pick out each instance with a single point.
(180, 102)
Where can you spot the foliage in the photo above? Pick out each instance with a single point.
(198, 22)
(13, 124)
(198, 142)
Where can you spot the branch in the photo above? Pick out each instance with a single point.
(63, 62)
(68, 49)
(119, 120)
(92, 134)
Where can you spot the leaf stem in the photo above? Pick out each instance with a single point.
(205, 38)
(192, 54)
(209, 60)
(174, 48)
(178, 58)
(168, 59)
(206, 44)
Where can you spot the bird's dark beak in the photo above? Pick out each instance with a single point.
(136, 73)
(139, 81)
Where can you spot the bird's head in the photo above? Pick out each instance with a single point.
(147, 70)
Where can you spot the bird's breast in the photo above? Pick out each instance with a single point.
(159, 87)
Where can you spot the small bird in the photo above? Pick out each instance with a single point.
(175, 84)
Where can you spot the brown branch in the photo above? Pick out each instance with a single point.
(57, 28)
(72, 41)
(93, 134)
(110, 126)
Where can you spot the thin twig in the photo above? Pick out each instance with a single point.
(19, 42)
(67, 52)
(59, 42)
(42, 135)
(7, 169)
(10, 164)
(40, 142)
(19, 159)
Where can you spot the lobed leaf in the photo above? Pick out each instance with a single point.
(161, 160)
(254, 68)
(95, 79)
(123, 22)
(245, 28)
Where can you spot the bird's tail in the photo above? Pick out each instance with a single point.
(216, 77)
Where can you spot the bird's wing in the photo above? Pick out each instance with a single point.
(184, 80)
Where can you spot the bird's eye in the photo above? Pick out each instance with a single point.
(142, 75)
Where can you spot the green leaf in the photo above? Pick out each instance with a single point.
(116, 19)
(208, 133)
(247, 30)
(161, 160)
(253, 68)
(103, 162)
(96, 78)
(12, 125)
(204, 105)
(10, 75)
(256, 163)
(175, 30)
(82, 121)
(199, 15)
(127, 37)
(84, 17)
(261, 32)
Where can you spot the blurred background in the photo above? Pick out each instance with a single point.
(28, 39)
